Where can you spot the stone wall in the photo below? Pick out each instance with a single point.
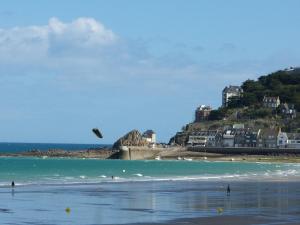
(139, 153)
(247, 151)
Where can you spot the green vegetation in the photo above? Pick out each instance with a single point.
(218, 114)
(285, 84)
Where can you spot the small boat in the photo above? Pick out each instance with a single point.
(157, 158)
(179, 158)
(188, 159)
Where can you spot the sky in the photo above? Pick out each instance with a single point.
(69, 66)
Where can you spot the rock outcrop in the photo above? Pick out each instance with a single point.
(133, 138)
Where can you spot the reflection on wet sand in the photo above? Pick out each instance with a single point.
(149, 202)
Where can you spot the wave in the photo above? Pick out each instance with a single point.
(282, 175)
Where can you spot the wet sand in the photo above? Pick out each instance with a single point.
(219, 220)
(159, 202)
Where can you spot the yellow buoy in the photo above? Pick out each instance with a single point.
(68, 210)
(220, 210)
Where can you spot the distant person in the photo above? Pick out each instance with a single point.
(112, 177)
(12, 184)
(228, 190)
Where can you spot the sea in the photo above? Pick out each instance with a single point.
(92, 191)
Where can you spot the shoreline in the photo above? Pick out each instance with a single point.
(178, 154)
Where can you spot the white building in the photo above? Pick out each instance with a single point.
(271, 102)
(228, 138)
(197, 140)
(293, 140)
(149, 136)
(282, 140)
(207, 138)
(229, 92)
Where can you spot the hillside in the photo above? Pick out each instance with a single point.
(283, 83)
(248, 108)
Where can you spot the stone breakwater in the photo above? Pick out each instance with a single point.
(85, 153)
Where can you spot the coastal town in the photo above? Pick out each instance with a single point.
(235, 131)
(239, 135)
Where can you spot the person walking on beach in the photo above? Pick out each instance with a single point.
(12, 184)
(228, 190)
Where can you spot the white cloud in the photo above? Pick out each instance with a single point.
(27, 44)
(84, 52)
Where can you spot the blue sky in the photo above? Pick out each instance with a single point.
(69, 66)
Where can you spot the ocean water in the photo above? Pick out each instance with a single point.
(26, 171)
(7, 147)
(143, 191)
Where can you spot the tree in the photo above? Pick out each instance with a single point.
(249, 99)
(234, 102)
(218, 114)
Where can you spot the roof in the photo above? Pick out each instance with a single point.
(292, 70)
(269, 132)
(204, 133)
(204, 107)
(233, 89)
(148, 133)
(270, 99)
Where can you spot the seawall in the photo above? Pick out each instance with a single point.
(245, 150)
(139, 153)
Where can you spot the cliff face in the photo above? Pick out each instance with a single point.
(133, 138)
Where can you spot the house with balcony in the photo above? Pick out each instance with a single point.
(288, 110)
(271, 102)
(229, 138)
(282, 140)
(230, 92)
(267, 138)
(207, 138)
(251, 138)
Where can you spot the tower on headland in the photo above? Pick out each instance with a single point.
(202, 113)
(149, 136)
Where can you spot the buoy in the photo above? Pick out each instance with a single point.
(220, 210)
(68, 210)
